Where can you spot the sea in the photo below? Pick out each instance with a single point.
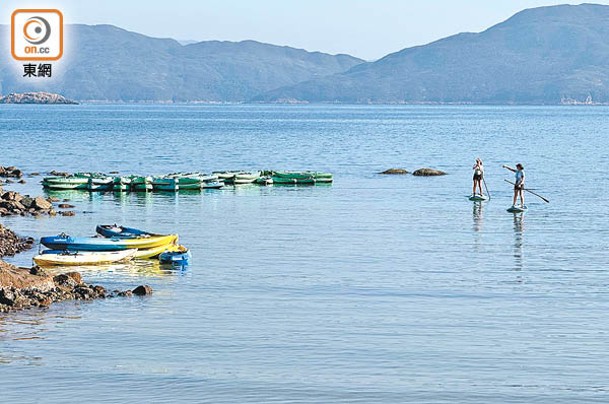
(375, 289)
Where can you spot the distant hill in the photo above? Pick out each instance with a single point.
(108, 63)
(35, 98)
(545, 55)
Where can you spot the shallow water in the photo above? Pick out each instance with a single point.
(374, 289)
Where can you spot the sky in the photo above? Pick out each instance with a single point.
(368, 29)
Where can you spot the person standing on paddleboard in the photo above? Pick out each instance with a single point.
(478, 176)
(519, 185)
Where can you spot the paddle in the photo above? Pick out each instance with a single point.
(529, 191)
(485, 187)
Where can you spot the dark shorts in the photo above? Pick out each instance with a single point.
(518, 187)
(477, 177)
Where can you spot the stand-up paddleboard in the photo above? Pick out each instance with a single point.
(517, 209)
(478, 198)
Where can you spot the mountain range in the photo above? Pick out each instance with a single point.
(546, 55)
(103, 62)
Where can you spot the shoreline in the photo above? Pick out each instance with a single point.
(24, 288)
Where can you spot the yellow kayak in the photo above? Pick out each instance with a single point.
(65, 242)
(153, 252)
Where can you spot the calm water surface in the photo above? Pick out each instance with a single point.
(374, 289)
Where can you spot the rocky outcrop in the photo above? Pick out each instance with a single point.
(13, 203)
(19, 278)
(22, 288)
(35, 98)
(59, 173)
(11, 244)
(39, 203)
(395, 171)
(427, 172)
(143, 290)
(10, 172)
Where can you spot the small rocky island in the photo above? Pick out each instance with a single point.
(35, 98)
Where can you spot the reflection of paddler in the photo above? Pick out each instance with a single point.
(519, 241)
(478, 216)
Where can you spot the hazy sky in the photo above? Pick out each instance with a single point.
(365, 28)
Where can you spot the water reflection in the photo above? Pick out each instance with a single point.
(71, 194)
(135, 268)
(141, 198)
(28, 325)
(518, 241)
(478, 216)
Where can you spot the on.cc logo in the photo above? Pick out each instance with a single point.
(37, 34)
(36, 30)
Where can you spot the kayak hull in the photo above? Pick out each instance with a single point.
(64, 242)
(109, 231)
(100, 184)
(180, 256)
(141, 184)
(63, 258)
(154, 252)
(165, 184)
(65, 183)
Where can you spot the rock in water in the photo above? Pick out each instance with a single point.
(41, 203)
(64, 281)
(427, 172)
(59, 173)
(142, 290)
(75, 276)
(11, 244)
(11, 171)
(12, 196)
(395, 171)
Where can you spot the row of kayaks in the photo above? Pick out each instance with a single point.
(114, 244)
(96, 182)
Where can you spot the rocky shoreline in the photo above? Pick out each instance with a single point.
(22, 288)
(11, 243)
(14, 203)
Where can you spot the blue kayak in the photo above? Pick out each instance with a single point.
(66, 242)
(114, 230)
(180, 257)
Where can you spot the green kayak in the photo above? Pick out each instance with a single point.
(165, 184)
(141, 184)
(301, 177)
(121, 184)
(65, 183)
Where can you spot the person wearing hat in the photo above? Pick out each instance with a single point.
(478, 176)
(519, 184)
